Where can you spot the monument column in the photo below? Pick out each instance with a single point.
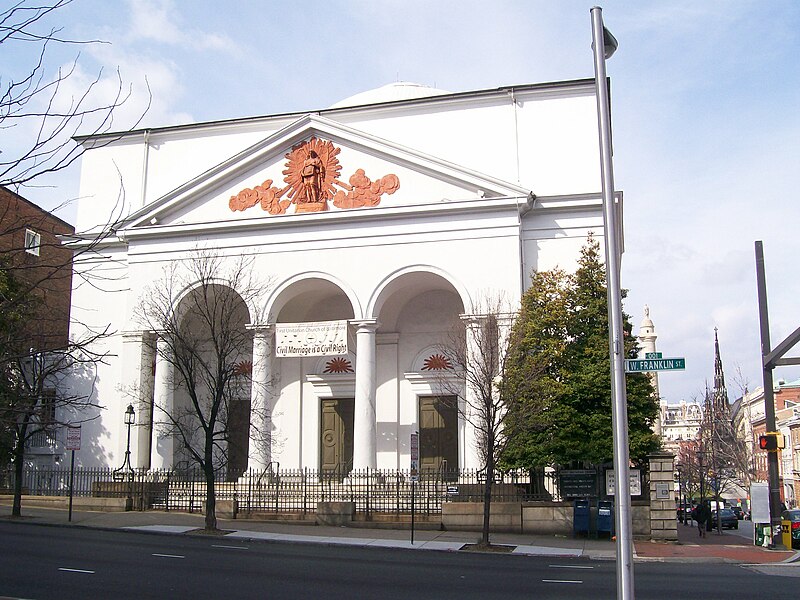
(364, 425)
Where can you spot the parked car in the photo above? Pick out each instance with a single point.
(793, 516)
(727, 519)
(737, 510)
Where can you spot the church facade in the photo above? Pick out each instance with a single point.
(375, 227)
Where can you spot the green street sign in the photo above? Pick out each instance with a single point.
(658, 364)
(652, 355)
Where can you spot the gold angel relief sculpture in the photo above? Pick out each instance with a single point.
(312, 180)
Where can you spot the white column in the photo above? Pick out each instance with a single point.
(137, 388)
(468, 413)
(260, 409)
(364, 435)
(162, 455)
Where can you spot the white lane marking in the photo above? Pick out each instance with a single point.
(169, 555)
(75, 570)
(230, 547)
(560, 581)
(570, 567)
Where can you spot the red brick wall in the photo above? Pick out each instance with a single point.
(49, 274)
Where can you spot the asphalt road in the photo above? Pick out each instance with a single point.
(38, 562)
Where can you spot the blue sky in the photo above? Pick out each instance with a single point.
(705, 100)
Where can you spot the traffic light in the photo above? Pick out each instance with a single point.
(771, 441)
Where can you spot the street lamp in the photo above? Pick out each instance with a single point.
(604, 44)
(126, 470)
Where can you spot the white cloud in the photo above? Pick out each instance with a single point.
(162, 22)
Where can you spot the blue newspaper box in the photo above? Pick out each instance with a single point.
(580, 516)
(605, 517)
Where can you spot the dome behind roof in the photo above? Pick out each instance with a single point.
(399, 90)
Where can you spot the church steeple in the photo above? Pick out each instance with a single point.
(720, 392)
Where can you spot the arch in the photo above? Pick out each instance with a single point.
(181, 301)
(392, 285)
(303, 283)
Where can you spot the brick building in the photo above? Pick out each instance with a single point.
(31, 250)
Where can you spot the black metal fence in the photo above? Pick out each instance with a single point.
(275, 491)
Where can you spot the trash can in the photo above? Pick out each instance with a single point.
(786, 533)
(605, 517)
(580, 517)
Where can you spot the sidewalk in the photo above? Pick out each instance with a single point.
(725, 548)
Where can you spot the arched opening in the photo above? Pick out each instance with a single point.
(212, 362)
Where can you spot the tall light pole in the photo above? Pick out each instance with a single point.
(605, 45)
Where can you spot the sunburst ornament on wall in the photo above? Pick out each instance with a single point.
(244, 367)
(437, 362)
(338, 365)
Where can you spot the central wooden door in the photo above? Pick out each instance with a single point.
(438, 434)
(336, 429)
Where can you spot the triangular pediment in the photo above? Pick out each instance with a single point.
(318, 165)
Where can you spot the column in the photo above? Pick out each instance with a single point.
(468, 413)
(260, 409)
(137, 388)
(162, 456)
(364, 425)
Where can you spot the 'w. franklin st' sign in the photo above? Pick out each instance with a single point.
(657, 364)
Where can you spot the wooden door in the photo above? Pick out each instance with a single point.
(438, 434)
(336, 429)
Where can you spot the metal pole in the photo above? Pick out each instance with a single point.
(413, 486)
(619, 415)
(773, 476)
(71, 481)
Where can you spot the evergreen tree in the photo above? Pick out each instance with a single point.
(559, 390)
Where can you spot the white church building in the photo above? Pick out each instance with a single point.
(378, 223)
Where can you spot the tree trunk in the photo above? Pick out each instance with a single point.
(19, 463)
(211, 496)
(487, 500)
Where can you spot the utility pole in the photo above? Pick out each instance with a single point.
(771, 359)
(604, 45)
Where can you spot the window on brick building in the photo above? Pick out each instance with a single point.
(47, 407)
(32, 242)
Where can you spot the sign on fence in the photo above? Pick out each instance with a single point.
(578, 483)
(73, 438)
(635, 482)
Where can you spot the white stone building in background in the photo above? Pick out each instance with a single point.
(395, 212)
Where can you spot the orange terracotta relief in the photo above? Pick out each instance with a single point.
(312, 179)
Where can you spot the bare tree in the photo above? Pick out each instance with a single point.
(477, 350)
(33, 398)
(199, 311)
(34, 104)
(36, 355)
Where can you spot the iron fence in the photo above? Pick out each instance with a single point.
(275, 491)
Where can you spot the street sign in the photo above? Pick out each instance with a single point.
(658, 364)
(415, 457)
(73, 438)
(652, 355)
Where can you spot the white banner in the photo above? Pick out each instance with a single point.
(322, 338)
